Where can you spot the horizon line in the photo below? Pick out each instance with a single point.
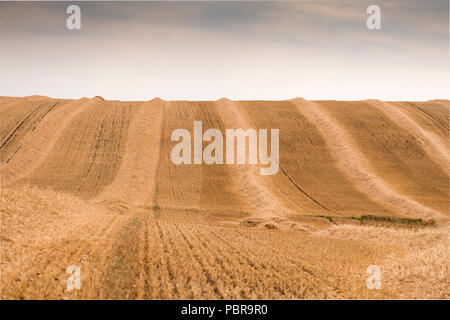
(98, 97)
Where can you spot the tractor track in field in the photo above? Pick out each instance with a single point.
(205, 270)
(303, 191)
(439, 125)
(31, 130)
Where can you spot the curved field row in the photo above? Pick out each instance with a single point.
(435, 121)
(432, 143)
(134, 183)
(193, 186)
(395, 154)
(309, 175)
(87, 154)
(19, 119)
(36, 144)
(377, 170)
(264, 199)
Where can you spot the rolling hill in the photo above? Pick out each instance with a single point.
(90, 182)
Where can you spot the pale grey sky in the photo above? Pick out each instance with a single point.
(240, 50)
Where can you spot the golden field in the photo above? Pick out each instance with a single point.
(90, 183)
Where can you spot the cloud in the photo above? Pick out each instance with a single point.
(239, 49)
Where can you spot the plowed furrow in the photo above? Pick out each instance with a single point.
(226, 276)
(207, 271)
(263, 265)
(155, 286)
(297, 263)
(246, 278)
(193, 276)
(166, 242)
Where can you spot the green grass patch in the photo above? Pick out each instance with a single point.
(326, 217)
(402, 221)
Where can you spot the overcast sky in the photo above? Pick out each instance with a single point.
(239, 50)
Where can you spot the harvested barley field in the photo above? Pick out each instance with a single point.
(91, 183)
